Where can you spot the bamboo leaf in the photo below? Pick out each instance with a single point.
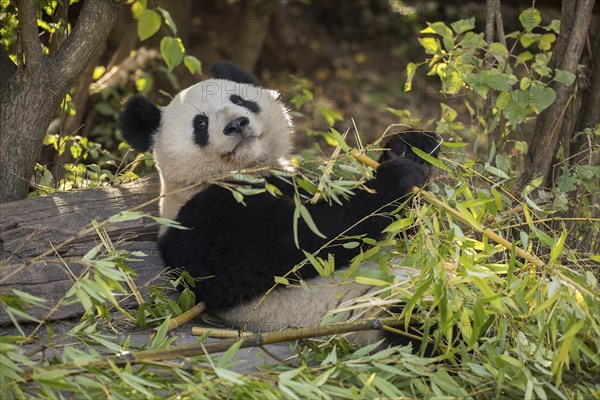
(309, 221)
(558, 247)
(229, 354)
(430, 159)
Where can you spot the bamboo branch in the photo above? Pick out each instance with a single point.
(533, 259)
(191, 350)
(185, 317)
(219, 332)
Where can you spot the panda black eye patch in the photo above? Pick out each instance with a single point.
(249, 104)
(201, 130)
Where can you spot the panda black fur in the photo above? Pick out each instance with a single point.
(229, 123)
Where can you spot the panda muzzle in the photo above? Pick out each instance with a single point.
(236, 126)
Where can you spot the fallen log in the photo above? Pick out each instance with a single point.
(40, 237)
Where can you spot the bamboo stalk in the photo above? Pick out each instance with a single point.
(533, 259)
(219, 332)
(185, 317)
(196, 349)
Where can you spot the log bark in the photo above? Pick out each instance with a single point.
(31, 228)
(39, 84)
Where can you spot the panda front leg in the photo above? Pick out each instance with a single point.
(365, 213)
(239, 249)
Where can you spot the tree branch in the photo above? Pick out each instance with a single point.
(489, 21)
(94, 23)
(7, 66)
(567, 14)
(499, 24)
(590, 116)
(29, 34)
(577, 37)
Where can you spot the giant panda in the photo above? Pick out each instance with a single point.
(229, 123)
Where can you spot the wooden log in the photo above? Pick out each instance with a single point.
(36, 240)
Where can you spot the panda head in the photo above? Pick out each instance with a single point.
(215, 126)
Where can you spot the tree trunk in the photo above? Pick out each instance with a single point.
(256, 19)
(575, 21)
(32, 91)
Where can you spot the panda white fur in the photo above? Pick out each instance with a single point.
(230, 123)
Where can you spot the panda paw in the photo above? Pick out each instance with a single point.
(400, 175)
(400, 145)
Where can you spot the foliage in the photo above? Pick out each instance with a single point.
(502, 88)
(310, 102)
(504, 328)
(171, 47)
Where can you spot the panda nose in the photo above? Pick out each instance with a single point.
(236, 126)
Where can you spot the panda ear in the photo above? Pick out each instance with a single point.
(139, 121)
(231, 72)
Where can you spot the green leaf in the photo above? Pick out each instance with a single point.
(295, 219)
(451, 83)
(430, 159)
(546, 41)
(309, 221)
(339, 139)
(28, 298)
(530, 18)
(490, 79)
(498, 50)
(239, 197)
(161, 334)
(281, 280)
(546, 239)
(524, 56)
(228, 355)
(168, 20)
(399, 225)
(528, 39)
(192, 64)
(564, 77)
(472, 39)
(126, 216)
(540, 98)
(558, 247)
(555, 26)
(466, 214)
(495, 171)
(431, 45)
(137, 383)
(148, 23)
(411, 68)
(315, 263)
(172, 51)
(370, 281)
(463, 25)
(446, 33)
